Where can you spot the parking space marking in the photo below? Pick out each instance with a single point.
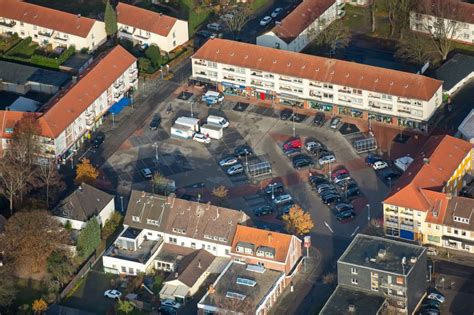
(325, 223)
(355, 231)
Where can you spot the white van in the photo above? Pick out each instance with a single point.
(213, 95)
(188, 122)
(218, 121)
(403, 163)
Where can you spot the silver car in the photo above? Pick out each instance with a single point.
(327, 159)
(228, 161)
(235, 169)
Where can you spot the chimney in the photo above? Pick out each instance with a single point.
(426, 160)
(270, 237)
(80, 188)
(79, 16)
(351, 308)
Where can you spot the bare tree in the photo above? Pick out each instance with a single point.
(50, 177)
(236, 18)
(445, 26)
(403, 10)
(415, 48)
(335, 37)
(392, 13)
(372, 9)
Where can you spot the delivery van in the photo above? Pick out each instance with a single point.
(218, 121)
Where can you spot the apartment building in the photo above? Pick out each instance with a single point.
(377, 275)
(50, 27)
(263, 264)
(452, 18)
(302, 25)
(170, 220)
(417, 205)
(323, 84)
(148, 28)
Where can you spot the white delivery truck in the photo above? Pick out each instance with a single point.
(188, 121)
(181, 131)
(218, 121)
(403, 163)
(213, 131)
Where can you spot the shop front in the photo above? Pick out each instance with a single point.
(321, 106)
(290, 100)
(351, 112)
(233, 89)
(386, 119)
(420, 125)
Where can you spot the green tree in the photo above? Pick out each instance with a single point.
(125, 306)
(160, 183)
(153, 53)
(60, 265)
(111, 225)
(7, 287)
(89, 238)
(110, 20)
(144, 64)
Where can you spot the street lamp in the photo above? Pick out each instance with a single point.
(155, 145)
(121, 203)
(273, 192)
(192, 109)
(368, 212)
(430, 266)
(294, 130)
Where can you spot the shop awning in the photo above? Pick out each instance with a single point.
(117, 107)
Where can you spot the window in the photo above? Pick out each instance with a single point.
(173, 240)
(354, 281)
(193, 245)
(174, 34)
(463, 233)
(456, 232)
(226, 251)
(212, 64)
(130, 270)
(124, 269)
(34, 27)
(214, 248)
(135, 219)
(449, 230)
(327, 86)
(182, 244)
(354, 270)
(174, 43)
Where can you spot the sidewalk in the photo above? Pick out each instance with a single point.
(455, 257)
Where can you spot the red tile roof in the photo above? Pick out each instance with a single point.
(438, 205)
(45, 17)
(95, 82)
(278, 241)
(452, 9)
(317, 68)
(433, 166)
(144, 19)
(300, 18)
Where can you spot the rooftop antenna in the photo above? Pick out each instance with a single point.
(404, 262)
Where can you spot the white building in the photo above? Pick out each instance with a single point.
(302, 25)
(83, 204)
(173, 221)
(329, 85)
(453, 18)
(47, 26)
(150, 28)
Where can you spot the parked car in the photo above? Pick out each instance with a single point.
(276, 12)
(286, 114)
(335, 122)
(235, 169)
(113, 294)
(243, 150)
(345, 215)
(352, 192)
(323, 187)
(214, 26)
(167, 310)
(372, 158)
(98, 140)
(228, 161)
(265, 21)
(340, 207)
(170, 303)
(390, 175)
(273, 188)
(282, 199)
(292, 152)
(331, 198)
(436, 296)
(286, 208)
(341, 178)
(327, 192)
(319, 119)
(263, 210)
(327, 159)
(380, 165)
(146, 173)
(313, 145)
(430, 304)
(202, 138)
(339, 172)
(302, 162)
(317, 180)
(155, 122)
(294, 143)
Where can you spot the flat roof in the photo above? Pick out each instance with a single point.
(454, 70)
(252, 295)
(11, 72)
(347, 301)
(466, 128)
(381, 253)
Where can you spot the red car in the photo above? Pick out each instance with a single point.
(294, 143)
(339, 172)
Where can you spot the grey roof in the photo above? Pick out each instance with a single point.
(381, 254)
(454, 70)
(460, 213)
(85, 202)
(466, 128)
(227, 282)
(191, 267)
(360, 302)
(183, 218)
(21, 74)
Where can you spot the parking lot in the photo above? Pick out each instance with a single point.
(189, 162)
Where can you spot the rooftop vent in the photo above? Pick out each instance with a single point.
(376, 80)
(317, 69)
(406, 86)
(413, 260)
(382, 252)
(246, 57)
(351, 308)
(274, 61)
(391, 83)
(288, 64)
(426, 160)
(347, 75)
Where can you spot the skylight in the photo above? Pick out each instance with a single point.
(247, 282)
(234, 295)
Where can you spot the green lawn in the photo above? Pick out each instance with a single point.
(7, 42)
(357, 19)
(258, 4)
(25, 50)
(196, 15)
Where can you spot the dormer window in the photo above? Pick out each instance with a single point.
(245, 248)
(461, 219)
(265, 251)
(135, 219)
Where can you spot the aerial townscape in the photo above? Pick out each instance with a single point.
(236, 157)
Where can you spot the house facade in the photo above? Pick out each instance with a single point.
(328, 85)
(302, 25)
(50, 27)
(148, 28)
(452, 18)
(417, 207)
(383, 268)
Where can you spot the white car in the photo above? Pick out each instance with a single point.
(236, 169)
(436, 296)
(327, 159)
(113, 294)
(379, 165)
(265, 21)
(276, 12)
(171, 303)
(199, 137)
(282, 199)
(335, 122)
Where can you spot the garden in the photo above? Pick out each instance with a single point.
(28, 51)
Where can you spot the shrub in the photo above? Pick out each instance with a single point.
(157, 284)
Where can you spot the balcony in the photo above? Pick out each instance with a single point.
(229, 69)
(406, 227)
(200, 62)
(256, 83)
(391, 224)
(8, 24)
(46, 34)
(402, 101)
(124, 34)
(257, 74)
(62, 39)
(374, 96)
(341, 14)
(132, 72)
(146, 250)
(286, 79)
(344, 91)
(406, 111)
(341, 5)
(143, 36)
